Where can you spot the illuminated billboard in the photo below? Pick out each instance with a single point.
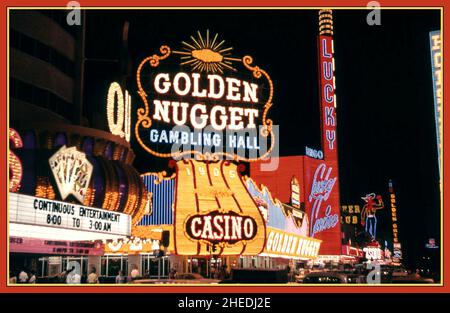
(287, 226)
(436, 70)
(215, 212)
(322, 204)
(201, 101)
(72, 172)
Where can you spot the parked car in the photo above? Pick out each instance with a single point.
(412, 279)
(325, 278)
(182, 278)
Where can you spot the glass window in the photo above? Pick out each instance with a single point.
(111, 265)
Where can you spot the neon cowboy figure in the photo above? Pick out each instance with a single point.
(368, 213)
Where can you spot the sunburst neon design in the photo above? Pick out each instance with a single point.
(206, 55)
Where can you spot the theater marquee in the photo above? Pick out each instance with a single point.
(200, 101)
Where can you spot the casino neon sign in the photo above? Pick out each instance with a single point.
(202, 105)
(217, 227)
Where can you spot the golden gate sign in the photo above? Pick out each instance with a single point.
(201, 102)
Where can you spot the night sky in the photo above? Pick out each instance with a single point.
(383, 85)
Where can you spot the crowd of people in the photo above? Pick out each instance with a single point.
(72, 276)
(23, 276)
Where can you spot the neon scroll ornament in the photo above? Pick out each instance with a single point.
(192, 109)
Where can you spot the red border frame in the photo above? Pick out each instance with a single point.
(222, 288)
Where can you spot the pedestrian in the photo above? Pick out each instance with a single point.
(93, 277)
(12, 277)
(121, 278)
(134, 272)
(32, 279)
(23, 277)
(223, 273)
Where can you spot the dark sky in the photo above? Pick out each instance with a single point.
(384, 93)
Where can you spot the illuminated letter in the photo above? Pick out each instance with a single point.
(222, 117)
(217, 224)
(248, 228)
(121, 124)
(226, 219)
(236, 227)
(327, 70)
(207, 228)
(196, 92)
(212, 91)
(329, 119)
(234, 118)
(187, 85)
(184, 107)
(196, 233)
(269, 241)
(233, 86)
(325, 53)
(203, 117)
(161, 109)
(251, 113)
(166, 84)
(330, 138)
(115, 125)
(328, 89)
(250, 91)
(154, 135)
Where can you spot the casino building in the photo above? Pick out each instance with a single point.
(71, 186)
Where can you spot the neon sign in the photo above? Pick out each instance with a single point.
(327, 95)
(369, 211)
(15, 166)
(396, 243)
(119, 122)
(436, 68)
(72, 172)
(216, 227)
(316, 154)
(206, 110)
(295, 192)
(214, 209)
(321, 189)
(280, 243)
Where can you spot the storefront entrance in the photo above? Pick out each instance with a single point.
(155, 267)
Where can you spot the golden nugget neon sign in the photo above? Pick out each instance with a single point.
(186, 112)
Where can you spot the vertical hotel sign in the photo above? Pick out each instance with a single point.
(397, 246)
(321, 176)
(436, 70)
(327, 85)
